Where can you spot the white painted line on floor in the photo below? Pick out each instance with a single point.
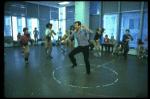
(91, 70)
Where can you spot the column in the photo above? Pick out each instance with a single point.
(141, 19)
(82, 14)
(118, 22)
(100, 14)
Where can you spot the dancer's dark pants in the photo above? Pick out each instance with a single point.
(106, 45)
(85, 51)
(126, 49)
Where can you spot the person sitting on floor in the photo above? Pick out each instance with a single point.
(65, 43)
(118, 48)
(91, 45)
(112, 42)
(141, 48)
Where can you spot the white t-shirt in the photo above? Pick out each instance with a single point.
(59, 33)
(48, 31)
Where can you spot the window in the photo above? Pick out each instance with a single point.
(31, 24)
(55, 28)
(69, 22)
(62, 13)
(110, 25)
(62, 25)
(145, 28)
(62, 19)
(145, 5)
(7, 26)
(130, 21)
(94, 7)
(18, 23)
(70, 12)
(54, 13)
(110, 6)
(130, 5)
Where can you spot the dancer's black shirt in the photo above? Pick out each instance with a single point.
(97, 36)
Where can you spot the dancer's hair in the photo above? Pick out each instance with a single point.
(79, 23)
(48, 25)
(24, 29)
(71, 27)
(101, 31)
(128, 30)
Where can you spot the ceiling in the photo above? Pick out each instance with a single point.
(52, 3)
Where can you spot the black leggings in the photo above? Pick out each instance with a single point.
(24, 44)
(48, 38)
(126, 49)
(85, 51)
(106, 45)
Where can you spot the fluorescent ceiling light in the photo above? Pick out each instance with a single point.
(63, 3)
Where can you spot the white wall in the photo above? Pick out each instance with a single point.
(82, 14)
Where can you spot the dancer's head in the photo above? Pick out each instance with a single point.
(127, 32)
(59, 29)
(19, 33)
(106, 36)
(112, 37)
(49, 25)
(77, 25)
(35, 28)
(72, 27)
(25, 30)
(100, 30)
(66, 32)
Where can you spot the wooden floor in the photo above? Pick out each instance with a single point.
(110, 76)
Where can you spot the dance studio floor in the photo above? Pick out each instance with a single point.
(49, 78)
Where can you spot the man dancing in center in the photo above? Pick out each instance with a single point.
(81, 36)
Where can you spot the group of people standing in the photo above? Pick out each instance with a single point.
(83, 45)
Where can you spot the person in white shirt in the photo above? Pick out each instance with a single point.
(59, 35)
(48, 33)
(35, 32)
(112, 42)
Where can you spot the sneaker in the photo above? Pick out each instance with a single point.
(50, 56)
(88, 73)
(26, 62)
(73, 66)
(63, 50)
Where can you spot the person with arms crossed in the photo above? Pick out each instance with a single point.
(35, 32)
